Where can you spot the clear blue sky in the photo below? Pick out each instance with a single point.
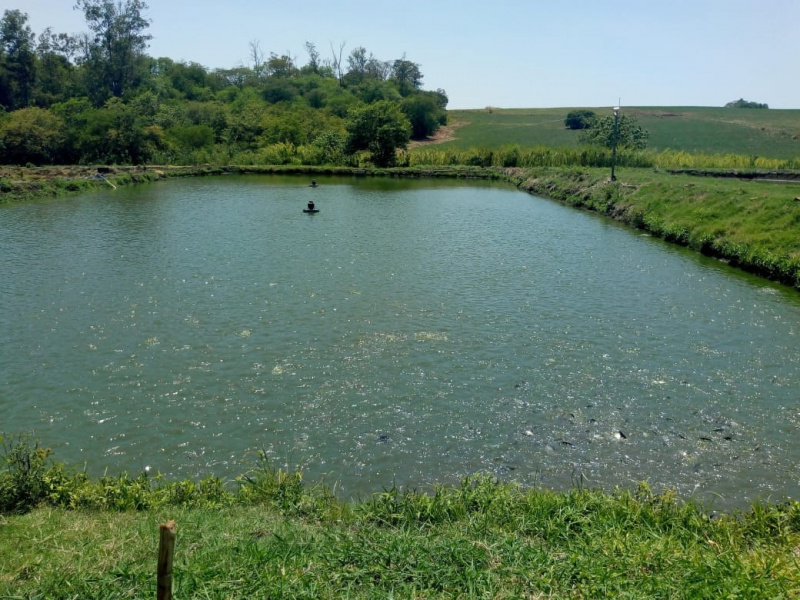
(504, 53)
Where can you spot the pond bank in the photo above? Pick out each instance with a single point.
(736, 217)
(19, 184)
(751, 224)
(66, 535)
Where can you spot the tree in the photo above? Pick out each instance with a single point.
(17, 60)
(55, 74)
(313, 58)
(629, 133)
(281, 66)
(381, 128)
(246, 121)
(294, 124)
(339, 101)
(377, 69)
(407, 76)
(336, 60)
(32, 135)
(116, 133)
(73, 113)
(192, 137)
(580, 119)
(425, 113)
(115, 54)
(213, 114)
(356, 65)
(362, 68)
(372, 90)
(258, 58)
(332, 145)
(238, 77)
(279, 90)
(742, 103)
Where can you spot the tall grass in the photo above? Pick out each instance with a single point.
(273, 537)
(30, 478)
(507, 155)
(544, 156)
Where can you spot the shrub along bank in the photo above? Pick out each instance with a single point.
(266, 535)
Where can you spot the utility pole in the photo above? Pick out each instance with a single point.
(614, 143)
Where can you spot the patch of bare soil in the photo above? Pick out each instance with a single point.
(446, 133)
(659, 114)
(13, 173)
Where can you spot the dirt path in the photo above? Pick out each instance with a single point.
(447, 133)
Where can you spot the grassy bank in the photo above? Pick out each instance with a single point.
(752, 224)
(19, 184)
(268, 536)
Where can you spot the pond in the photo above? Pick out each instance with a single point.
(412, 332)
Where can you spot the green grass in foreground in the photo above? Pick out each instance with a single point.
(68, 536)
(480, 540)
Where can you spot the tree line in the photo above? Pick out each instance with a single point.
(742, 103)
(98, 97)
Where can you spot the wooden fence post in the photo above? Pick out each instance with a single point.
(166, 551)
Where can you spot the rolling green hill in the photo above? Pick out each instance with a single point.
(769, 133)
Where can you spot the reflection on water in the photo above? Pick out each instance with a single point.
(410, 332)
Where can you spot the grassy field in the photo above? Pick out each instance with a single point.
(769, 133)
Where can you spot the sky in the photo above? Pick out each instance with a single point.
(502, 53)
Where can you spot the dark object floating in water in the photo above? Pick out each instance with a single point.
(311, 211)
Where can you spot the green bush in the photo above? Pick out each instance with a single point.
(22, 478)
(192, 137)
(580, 119)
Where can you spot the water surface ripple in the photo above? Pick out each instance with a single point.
(411, 332)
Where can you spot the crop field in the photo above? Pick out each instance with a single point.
(754, 132)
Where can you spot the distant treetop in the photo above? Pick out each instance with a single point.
(742, 103)
(580, 119)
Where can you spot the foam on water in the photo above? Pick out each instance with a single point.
(413, 333)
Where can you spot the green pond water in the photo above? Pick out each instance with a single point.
(412, 332)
